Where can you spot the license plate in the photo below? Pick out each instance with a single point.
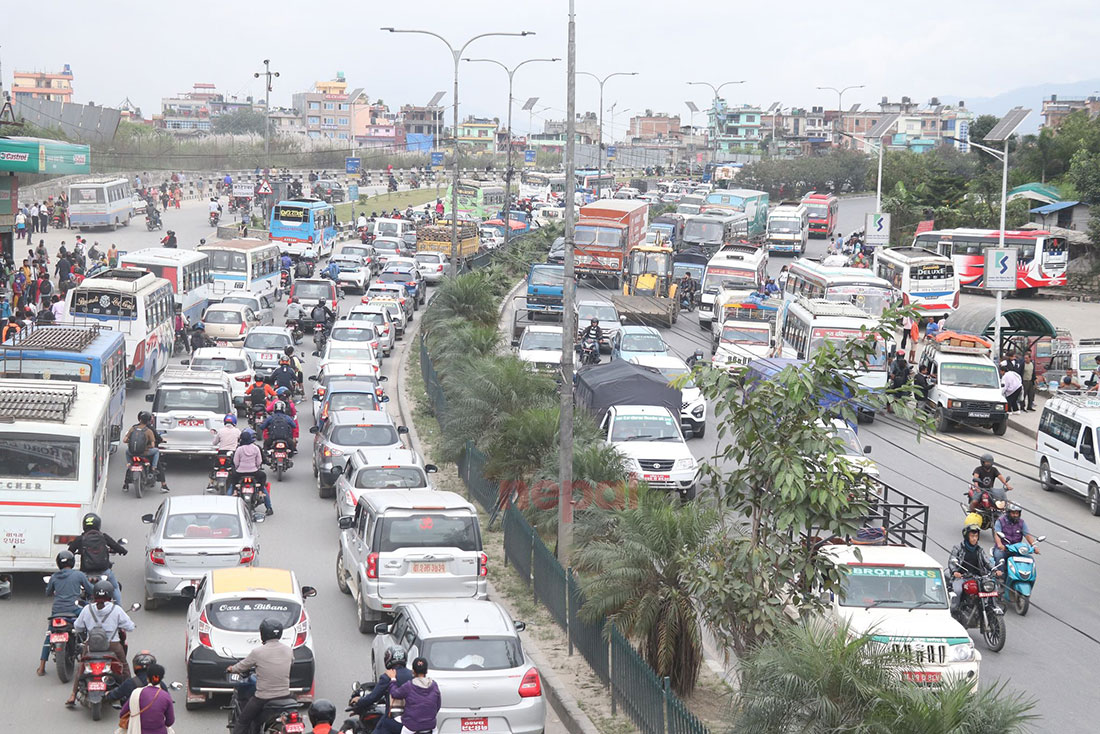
(978, 415)
(656, 477)
(265, 357)
(223, 343)
(280, 454)
(97, 685)
(430, 568)
(479, 724)
(294, 727)
(193, 422)
(921, 676)
(221, 473)
(59, 637)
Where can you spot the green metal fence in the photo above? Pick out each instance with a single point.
(587, 637)
(519, 539)
(635, 686)
(678, 720)
(484, 491)
(432, 384)
(549, 582)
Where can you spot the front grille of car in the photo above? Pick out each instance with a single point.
(661, 465)
(980, 405)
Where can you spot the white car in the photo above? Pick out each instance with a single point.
(490, 238)
(432, 264)
(391, 291)
(261, 304)
(355, 271)
(380, 470)
(236, 363)
(649, 437)
(139, 204)
(693, 411)
(346, 333)
(379, 316)
(362, 355)
(540, 347)
(394, 309)
(855, 453)
(402, 262)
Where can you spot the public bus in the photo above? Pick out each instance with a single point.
(84, 354)
(54, 439)
(187, 270)
(104, 202)
(754, 204)
(136, 303)
(824, 209)
(592, 180)
(858, 286)
(808, 323)
(713, 230)
(1041, 257)
(303, 226)
(926, 281)
(477, 199)
(245, 264)
(544, 186)
(734, 267)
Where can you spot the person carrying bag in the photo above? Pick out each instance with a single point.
(156, 716)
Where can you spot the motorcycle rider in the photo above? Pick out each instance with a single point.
(1015, 530)
(142, 440)
(322, 715)
(225, 439)
(284, 375)
(331, 271)
(687, 288)
(95, 548)
(282, 395)
(259, 392)
(421, 696)
(199, 339)
(272, 661)
(140, 679)
(296, 364)
(249, 460)
(108, 615)
(971, 560)
(394, 659)
(169, 239)
(278, 426)
(67, 586)
(593, 333)
(293, 312)
(215, 207)
(983, 479)
(321, 313)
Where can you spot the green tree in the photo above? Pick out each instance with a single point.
(469, 297)
(637, 578)
(981, 126)
(240, 122)
(1084, 174)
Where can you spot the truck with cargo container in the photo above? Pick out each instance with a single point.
(606, 231)
(437, 238)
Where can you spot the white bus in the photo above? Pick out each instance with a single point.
(243, 265)
(101, 203)
(734, 267)
(788, 229)
(544, 186)
(808, 323)
(187, 270)
(858, 286)
(54, 444)
(926, 280)
(136, 303)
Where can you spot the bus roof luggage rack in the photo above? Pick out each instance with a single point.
(63, 338)
(36, 403)
(825, 307)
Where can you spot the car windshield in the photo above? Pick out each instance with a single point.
(347, 263)
(312, 292)
(428, 530)
(743, 335)
(675, 373)
(394, 276)
(222, 317)
(541, 340)
(243, 300)
(353, 401)
(351, 334)
(645, 428)
(587, 311)
(390, 477)
(370, 316)
(386, 228)
(850, 439)
(473, 653)
(703, 231)
(547, 276)
(194, 399)
(893, 587)
(380, 435)
(643, 343)
(232, 366)
(969, 375)
(355, 250)
(350, 354)
(261, 340)
(427, 259)
(216, 526)
(245, 615)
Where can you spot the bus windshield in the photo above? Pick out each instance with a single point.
(817, 211)
(932, 271)
(39, 455)
(87, 195)
(785, 226)
(46, 369)
(837, 337)
(704, 231)
(745, 335)
(870, 299)
(729, 278)
(226, 261)
(547, 276)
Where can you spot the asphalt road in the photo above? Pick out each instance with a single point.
(301, 535)
(1049, 653)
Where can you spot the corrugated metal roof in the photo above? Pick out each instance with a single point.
(1055, 207)
(979, 319)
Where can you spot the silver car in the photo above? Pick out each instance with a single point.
(345, 432)
(380, 470)
(473, 648)
(191, 534)
(265, 344)
(381, 318)
(262, 306)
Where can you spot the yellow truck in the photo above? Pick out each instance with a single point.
(437, 238)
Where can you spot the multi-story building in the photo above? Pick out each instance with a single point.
(478, 133)
(189, 111)
(418, 122)
(286, 122)
(654, 127)
(587, 125)
(735, 128)
(555, 142)
(43, 85)
(326, 109)
(1056, 109)
(917, 128)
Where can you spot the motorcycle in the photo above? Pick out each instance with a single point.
(214, 218)
(153, 223)
(279, 716)
(257, 415)
(304, 268)
(295, 330)
(223, 463)
(980, 607)
(362, 724)
(589, 351)
(100, 672)
(320, 335)
(365, 236)
(280, 457)
(246, 489)
(180, 344)
(139, 474)
(687, 301)
(65, 643)
(991, 505)
(1020, 573)
(284, 279)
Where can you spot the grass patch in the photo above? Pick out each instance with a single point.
(399, 199)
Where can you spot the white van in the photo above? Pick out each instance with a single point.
(1065, 447)
(967, 387)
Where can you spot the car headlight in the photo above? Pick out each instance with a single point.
(685, 463)
(697, 411)
(961, 653)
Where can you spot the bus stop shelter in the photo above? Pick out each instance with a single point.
(1021, 328)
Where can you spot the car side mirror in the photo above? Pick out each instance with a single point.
(308, 592)
(312, 378)
(185, 362)
(866, 449)
(176, 685)
(188, 592)
(381, 629)
(402, 429)
(313, 429)
(149, 398)
(385, 399)
(515, 343)
(147, 519)
(1040, 539)
(347, 522)
(383, 378)
(259, 517)
(134, 607)
(520, 626)
(46, 579)
(316, 354)
(430, 468)
(622, 319)
(123, 541)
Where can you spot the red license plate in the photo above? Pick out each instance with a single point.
(221, 473)
(97, 685)
(479, 724)
(193, 422)
(280, 454)
(222, 343)
(656, 477)
(294, 727)
(267, 357)
(921, 676)
(59, 637)
(435, 568)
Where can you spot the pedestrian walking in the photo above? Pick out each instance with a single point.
(1032, 376)
(112, 256)
(20, 225)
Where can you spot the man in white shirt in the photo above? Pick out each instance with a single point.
(32, 216)
(1011, 386)
(108, 615)
(58, 307)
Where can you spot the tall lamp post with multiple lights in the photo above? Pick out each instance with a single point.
(599, 148)
(715, 90)
(457, 56)
(269, 74)
(840, 102)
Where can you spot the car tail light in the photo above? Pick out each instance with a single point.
(301, 630)
(248, 555)
(955, 300)
(330, 451)
(244, 327)
(483, 565)
(97, 668)
(411, 283)
(372, 566)
(244, 378)
(531, 685)
(321, 391)
(349, 498)
(439, 268)
(385, 330)
(63, 539)
(204, 630)
(156, 556)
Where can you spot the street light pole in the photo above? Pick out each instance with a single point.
(692, 108)
(599, 147)
(508, 171)
(613, 104)
(569, 293)
(268, 73)
(457, 56)
(840, 107)
(715, 90)
(1001, 155)
(879, 147)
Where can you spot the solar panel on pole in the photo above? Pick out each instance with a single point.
(692, 107)
(882, 127)
(529, 103)
(1008, 124)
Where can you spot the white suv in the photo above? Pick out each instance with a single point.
(651, 440)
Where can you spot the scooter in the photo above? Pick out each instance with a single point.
(280, 457)
(246, 489)
(1020, 573)
(214, 217)
(223, 463)
(139, 474)
(363, 724)
(180, 345)
(279, 715)
(981, 607)
(65, 643)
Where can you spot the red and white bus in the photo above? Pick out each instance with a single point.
(1041, 257)
(823, 210)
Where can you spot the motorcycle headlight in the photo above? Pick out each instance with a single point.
(685, 463)
(988, 585)
(961, 653)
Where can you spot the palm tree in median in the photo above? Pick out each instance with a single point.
(470, 297)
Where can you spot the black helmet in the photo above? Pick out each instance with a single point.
(395, 657)
(288, 350)
(322, 711)
(595, 321)
(91, 521)
(143, 660)
(145, 417)
(103, 590)
(65, 559)
(270, 629)
(987, 457)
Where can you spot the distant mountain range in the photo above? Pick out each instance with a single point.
(1032, 97)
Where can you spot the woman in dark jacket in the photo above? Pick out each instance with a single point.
(421, 695)
(154, 703)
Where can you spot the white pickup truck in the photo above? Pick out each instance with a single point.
(651, 440)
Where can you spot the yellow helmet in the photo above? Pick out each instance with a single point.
(973, 524)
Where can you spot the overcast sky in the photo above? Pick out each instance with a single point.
(148, 50)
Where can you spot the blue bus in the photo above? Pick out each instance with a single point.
(91, 354)
(303, 226)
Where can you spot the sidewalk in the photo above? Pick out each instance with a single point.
(1027, 422)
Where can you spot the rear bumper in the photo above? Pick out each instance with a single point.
(206, 671)
(162, 583)
(386, 605)
(526, 717)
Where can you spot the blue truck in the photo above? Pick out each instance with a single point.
(545, 288)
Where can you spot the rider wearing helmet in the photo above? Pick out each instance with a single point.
(272, 661)
(108, 615)
(295, 362)
(293, 311)
(983, 479)
(248, 459)
(142, 661)
(228, 436)
(95, 548)
(967, 559)
(1014, 529)
(259, 392)
(284, 375)
(322, 715)
(279, 426)
(142, 440)
(67, 586)
(321, 313)
(199, 339)
(592, 331)
(395, 659)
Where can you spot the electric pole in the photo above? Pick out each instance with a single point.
(269, 74)
(569, 294)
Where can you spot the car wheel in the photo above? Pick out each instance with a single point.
(1046, 481)
(943, 423)
(341, 573)
(1094, 499)
(365, 620)
(1000, 428)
